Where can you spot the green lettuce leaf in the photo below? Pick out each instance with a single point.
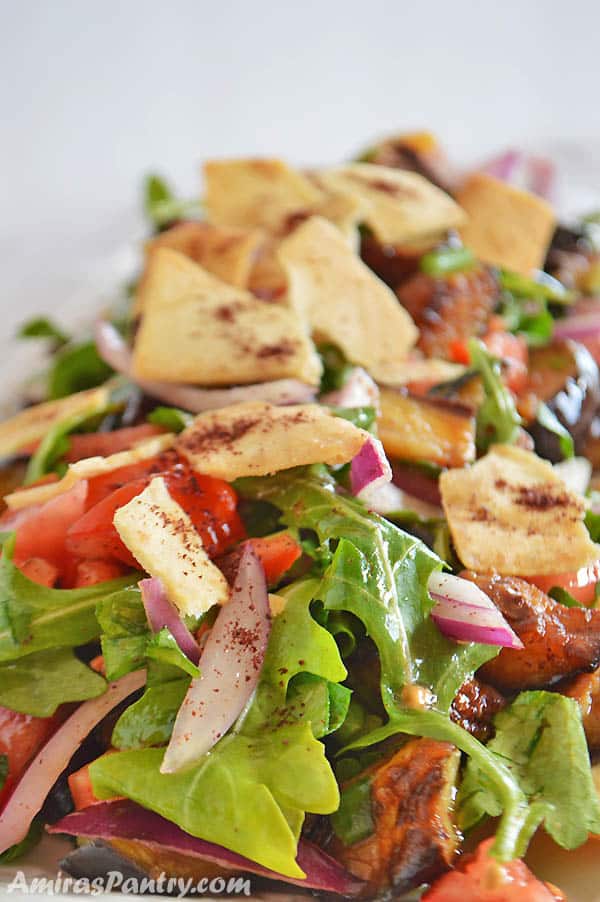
(3, 769)
(33, 617)
(42, 327)
(172, 418)
(498, 420)
(162, 646)
(149, 720)
(540, 737)
(75, 368)
(38, 683)
(162, 207)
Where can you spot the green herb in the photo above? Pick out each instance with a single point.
(545, 287)
(527, 317)
(163, 647)
(445, 260)
(41, 327)
(3, 769)
(161, 205)
(251, 792)
(149, 720)
(76, 368)
(35, 833)
(563, 597)
(174, 419)
(541, 739)
(38, 683)
(125, 631)
(497, 418)
(353, 821)
(33, 618)
(546, 418)
(336, 368)
(592, 519)
(362, 417)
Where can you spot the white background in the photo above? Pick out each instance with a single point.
(95, 93)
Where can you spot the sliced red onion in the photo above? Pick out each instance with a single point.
(540, 176)
(124, 819)
(579, 326)
(370, 469)
(504, 165)
(463, 612)
(359, 390)
(115, 352)
(160, 613)
(48, 765)
(230, 666)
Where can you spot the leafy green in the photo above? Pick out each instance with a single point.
(3, 769)
(550, 421)
(362, 417)
(125, 631)
(34, 835)
(527, 317)
(336, 368)
(174, 419)
(497, 418)
(38, 683)
(445, 260)
(33, 617)
(162, 646)
(75, 368)
(42, 327)
(544, 286)
(249, 802)
(162, 207)
(592, 519)
(563, 597)
(378, 573)
(353, 820)
(541, 739)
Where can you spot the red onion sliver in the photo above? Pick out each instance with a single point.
(160, 613)
(115, 352)
(540, 176)
(359, 390)
(230, 666)
(48, 765)
(504, 165)
(463, 611)
(370, 468)
(579, 326)
(124, 819)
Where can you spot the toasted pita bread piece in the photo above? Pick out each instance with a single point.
(511, 513)
(254, 439)
(506, 226)
(87, 469)
(33, 423)
(256, 192)
(197, 329)
(163, 539)
(344, 301)
(229, 254)
(399, 206)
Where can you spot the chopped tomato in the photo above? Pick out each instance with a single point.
(97, 664)
(102, 444)
(102, 486)
(480, 878)
(581, 584)
(511, 349)
(43, 534)
(40, 571)
(89, 573)
(80, 786)
(277, 553)
(21, 737)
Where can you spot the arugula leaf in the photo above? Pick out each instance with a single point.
(33, 618)
(42, 327)
(527, 317)
(497, 419)
(75, 368)
(541, 739)
(592, 519)
(125, 631)
(378, 573)
(162, 207)
(362, 417)
(550, 421)
(162, 646)
(38, 683)
(174, 419)
(336, 368)
(353, 820)
(149, 720)
(3, 769)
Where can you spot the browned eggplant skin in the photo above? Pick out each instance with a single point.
(414, 840)
(558, 641)
(585, 689)
(475, 707)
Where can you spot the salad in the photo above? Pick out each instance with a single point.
(299, 548)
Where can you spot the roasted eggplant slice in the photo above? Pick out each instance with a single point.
(559, 641)
(413, 839)
(474, 708)
(449, 309)
(426, 429)
(585, 689)
(564, 376)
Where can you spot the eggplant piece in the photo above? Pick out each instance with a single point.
(414, 838)
(96, 860)
(475, 707)
(426, 429)
(565, 376)
(559, 642)
(450, 309)
(393, 264)
(418, 153)
(585, 689)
